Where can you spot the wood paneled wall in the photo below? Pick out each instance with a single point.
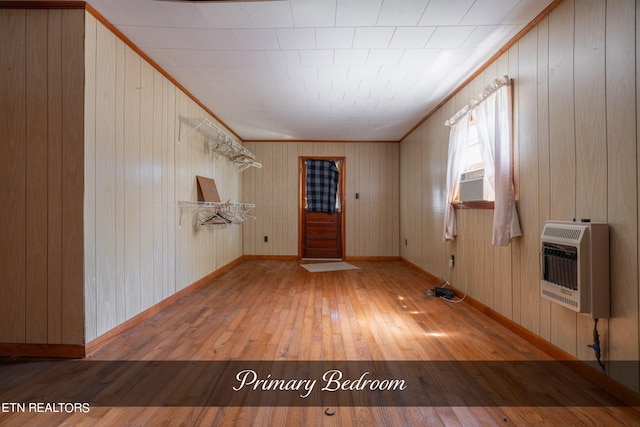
(576, 145)
(372, 169)
(41, 176)
(136, 255)
(91, 175)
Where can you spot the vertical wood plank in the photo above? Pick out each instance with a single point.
(278, 197)
(105, 172)
(181, 183)
(54, 179)
(248, 185)
(393, 208)
(561, 112)
(292, 200)
(146, 168)
(36, 177)
(221, 239)
(591, 148)
(477, 270)
(405, 189)
(450, 247)
(351, 204)
(256, 226)
(359, 207)
(386, 198)
(73, 176)
(591, 113)
(119, 182)
(562, 143)
(194, 147)
(506, 286)
(173, 199)
(13, 174)
(132, 183)
(622, 152)
(364, 224)
(269, 199)
(159, 173)
(89, 215)
(491, 72)
(170, 200)
(465, 240)
(527, 141)
(512, 304)
(499, 270)
(489, 259)
(544, 156)
(373, 177)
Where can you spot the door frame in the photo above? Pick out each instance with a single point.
(342, 185)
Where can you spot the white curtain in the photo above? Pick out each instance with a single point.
(492, 114)
(457, 142)
(493, 119)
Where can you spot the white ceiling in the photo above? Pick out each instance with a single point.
(358, 70)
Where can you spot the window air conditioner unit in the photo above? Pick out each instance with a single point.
(473, 186)
(574, 266)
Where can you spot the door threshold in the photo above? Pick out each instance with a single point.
(321, 259)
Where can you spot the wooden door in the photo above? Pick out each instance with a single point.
(321, 233)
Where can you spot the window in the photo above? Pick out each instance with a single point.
(322, 192)
(490, 130)
(474, 185)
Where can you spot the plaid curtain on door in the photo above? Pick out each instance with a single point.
(322, 185)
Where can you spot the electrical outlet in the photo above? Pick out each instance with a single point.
(266, 239)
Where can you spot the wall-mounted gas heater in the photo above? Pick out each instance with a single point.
(574, 266)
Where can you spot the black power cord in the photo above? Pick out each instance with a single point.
(442, 292)
(445, 293)
(596, 343)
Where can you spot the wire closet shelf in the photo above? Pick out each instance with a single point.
(217, 214)
(221, 143)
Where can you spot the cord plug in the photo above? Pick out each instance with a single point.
(440, 292)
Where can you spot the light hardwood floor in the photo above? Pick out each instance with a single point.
(277, 311)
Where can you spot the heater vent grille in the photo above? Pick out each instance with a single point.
(563, 232)
(559, 298)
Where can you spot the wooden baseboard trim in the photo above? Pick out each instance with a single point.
(62, 351)
(100, 341)
(611, 386)
(600, 379)
(536, 340)
(271, 257)
(372, 258)
(295, 258)
(435, 281)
